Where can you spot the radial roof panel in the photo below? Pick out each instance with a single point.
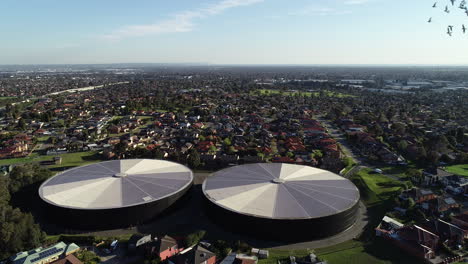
(281, 191)
(117, 183)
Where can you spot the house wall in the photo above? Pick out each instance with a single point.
(169, 253)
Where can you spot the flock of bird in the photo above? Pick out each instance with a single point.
(462, 5)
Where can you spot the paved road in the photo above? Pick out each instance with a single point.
(340, 138)
(74, 90)
(348, 150)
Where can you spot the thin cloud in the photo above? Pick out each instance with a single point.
(356, 2)
(180, 22)
(318, 11)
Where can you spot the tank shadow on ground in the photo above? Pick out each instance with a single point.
(188, 215)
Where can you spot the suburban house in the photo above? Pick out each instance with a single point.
(443, 204)
(45, 255)
(413, 239)
(70, 259)
(418, 195)
(461, 220)
(434, 175)
(195, 255)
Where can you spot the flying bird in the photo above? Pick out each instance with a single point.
(449, 32)
(430, 20)
(450, 28)
(464, 29)
(434, 5)
(446, 10)
(453, 2)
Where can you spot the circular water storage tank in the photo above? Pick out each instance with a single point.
(282, 201)
(114, 193)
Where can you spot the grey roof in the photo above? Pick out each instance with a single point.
(281, 191)
(117, 183)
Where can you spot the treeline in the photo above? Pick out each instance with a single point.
(18, 230)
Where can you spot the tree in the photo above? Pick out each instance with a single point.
(227, 142)
(27, 174)
(414, 174)
(88, 257)
(4, 192)
(317, 154)
(212, 149)
(21, 124)
(193, 159)
(231, 150)
(194, 238)
(433, 157)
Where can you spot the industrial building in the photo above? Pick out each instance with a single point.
(114, 193)
(281, 201)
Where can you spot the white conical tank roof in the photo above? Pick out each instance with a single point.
(281, 191)
(117, 183)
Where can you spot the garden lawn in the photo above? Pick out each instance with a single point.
(461, 169)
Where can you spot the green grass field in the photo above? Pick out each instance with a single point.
(349, 252)
(357, 252)
(68, 159)
(278, 254)
(6, 98)
(307, 94)
(458, 169)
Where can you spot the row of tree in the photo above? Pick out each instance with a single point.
(18, 230)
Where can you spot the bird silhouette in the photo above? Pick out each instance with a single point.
(451, 5)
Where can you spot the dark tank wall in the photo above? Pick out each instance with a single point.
(282, 229)
(110, 218)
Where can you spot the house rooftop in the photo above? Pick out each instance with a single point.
(38, 255)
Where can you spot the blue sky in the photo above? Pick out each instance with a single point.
(231, 32)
